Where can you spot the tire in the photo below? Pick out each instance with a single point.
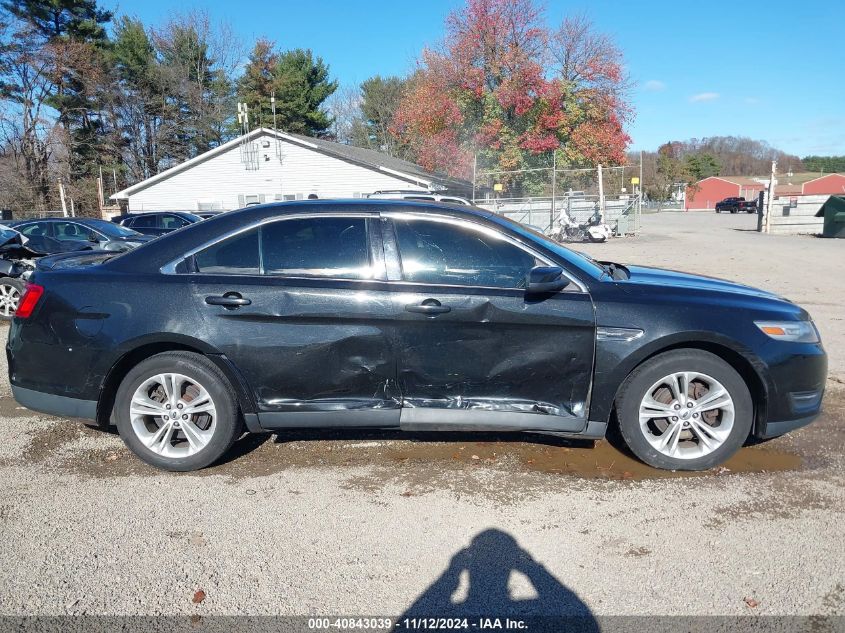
(11, 290)
(726, 428)
(213, 429)
(733, 210)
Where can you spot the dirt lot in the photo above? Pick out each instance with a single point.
(376, 523)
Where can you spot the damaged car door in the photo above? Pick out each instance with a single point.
(477, 349)
(297, 304)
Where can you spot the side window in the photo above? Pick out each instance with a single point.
(143, 222)
(444, 253)
(172, 222)
(317, 247)
(237, 255)
(71, 231)
(34, 230)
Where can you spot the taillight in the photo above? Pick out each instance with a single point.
(31, 294)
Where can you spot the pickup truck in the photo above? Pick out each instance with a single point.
(735, 205)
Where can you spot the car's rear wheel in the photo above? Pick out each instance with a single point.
(10, 295)
(684, 410)
(177, 411)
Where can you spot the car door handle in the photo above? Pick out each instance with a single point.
(429, 306)
(229, 300)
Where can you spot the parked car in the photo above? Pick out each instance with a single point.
(736, 204)
(406, 315)
(157, 222)
(57, 235)
(17, 261)
(426, 196)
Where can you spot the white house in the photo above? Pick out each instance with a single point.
(266, 165)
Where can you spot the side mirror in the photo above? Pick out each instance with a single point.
(544, 279)
(92, 237)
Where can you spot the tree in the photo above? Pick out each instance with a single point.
(197, 60)
(70, 35)
(824, 164)
(509, 91)
(299, 82)
(379, 99)
(27, 139)
(702, 165)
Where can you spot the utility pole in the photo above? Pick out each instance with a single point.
(62, 198)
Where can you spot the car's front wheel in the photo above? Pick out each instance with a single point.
(177, 411)
(684, 410)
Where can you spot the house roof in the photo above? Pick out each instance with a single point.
(358, 155)
(825, 176)
(743, 181)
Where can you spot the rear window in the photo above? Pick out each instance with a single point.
(310, 247)
(237, 255)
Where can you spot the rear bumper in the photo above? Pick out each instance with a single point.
(55, 405)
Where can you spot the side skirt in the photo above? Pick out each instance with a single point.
(432, 419)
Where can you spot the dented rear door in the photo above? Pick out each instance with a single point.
(481, 356)
(306, 320)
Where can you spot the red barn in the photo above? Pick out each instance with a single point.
(706, 193)
(833, 184)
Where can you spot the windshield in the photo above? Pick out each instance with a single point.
(111, 229)
(576, 258)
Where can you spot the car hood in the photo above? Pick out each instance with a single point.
(670, 278)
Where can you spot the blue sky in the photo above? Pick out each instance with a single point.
(773, 70)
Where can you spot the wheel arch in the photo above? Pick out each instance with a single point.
(145, 348)
(743, 361)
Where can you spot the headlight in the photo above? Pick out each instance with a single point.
(794, 331)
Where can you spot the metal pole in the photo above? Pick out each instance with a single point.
(474, 172)
(554, 187)
(767, 225)
(601, 195)
(640, 201)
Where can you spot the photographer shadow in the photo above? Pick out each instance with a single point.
(478, 584)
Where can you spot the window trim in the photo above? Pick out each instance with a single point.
(472, 226)
(374, 246)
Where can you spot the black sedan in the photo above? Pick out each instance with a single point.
(157, 222)
(406, 315)
(58, 235)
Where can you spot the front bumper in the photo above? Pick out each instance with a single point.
(55, 405)
(774, 429)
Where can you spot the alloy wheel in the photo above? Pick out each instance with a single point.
(9, 298)
(173, 415)
(686, 415)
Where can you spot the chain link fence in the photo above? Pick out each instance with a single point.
(611, 192)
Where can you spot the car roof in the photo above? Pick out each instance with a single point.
(166, 248)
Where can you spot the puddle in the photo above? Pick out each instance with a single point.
(427, 459)
(256, 456)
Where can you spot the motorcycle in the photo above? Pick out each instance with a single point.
(594, 229)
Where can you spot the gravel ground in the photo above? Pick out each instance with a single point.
(377, 523)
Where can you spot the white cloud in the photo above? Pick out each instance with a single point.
(654, 85)
(704, 96)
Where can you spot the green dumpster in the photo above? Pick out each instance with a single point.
(834, 217)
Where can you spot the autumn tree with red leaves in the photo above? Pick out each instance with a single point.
(510, 91)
